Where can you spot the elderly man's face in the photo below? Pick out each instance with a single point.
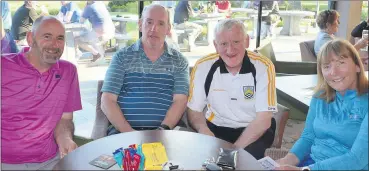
(154, 26)
(230, 44)
(48, 41)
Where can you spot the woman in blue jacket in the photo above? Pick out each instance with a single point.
(336, 129)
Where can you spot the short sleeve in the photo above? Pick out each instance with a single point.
(266, 99)
(74, 96)
(86, 12)
(181, 81)
(114, 76)
(197, 98)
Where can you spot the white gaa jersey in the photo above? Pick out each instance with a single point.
(233, 100)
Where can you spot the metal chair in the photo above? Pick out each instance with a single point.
(307, 51)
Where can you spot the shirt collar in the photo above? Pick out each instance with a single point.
(350, 94)
(138, 46)
(245, 68)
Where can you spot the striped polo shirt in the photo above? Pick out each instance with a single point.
(32, 104)
(233, 100)
(145, 89)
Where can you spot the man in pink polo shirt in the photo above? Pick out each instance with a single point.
(39, 94)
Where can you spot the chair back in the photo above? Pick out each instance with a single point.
(267, 51)
(307, 51)
(101, 121)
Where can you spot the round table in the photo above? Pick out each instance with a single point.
(187, 148)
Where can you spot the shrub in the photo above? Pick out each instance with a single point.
(53, 11)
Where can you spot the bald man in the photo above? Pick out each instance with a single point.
(39, 95)
(146, 84)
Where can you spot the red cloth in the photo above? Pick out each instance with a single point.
(223, 6)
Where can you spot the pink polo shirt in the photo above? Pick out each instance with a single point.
(31, 106)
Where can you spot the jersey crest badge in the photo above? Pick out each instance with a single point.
(248, 92)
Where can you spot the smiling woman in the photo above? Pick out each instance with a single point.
(336, 129)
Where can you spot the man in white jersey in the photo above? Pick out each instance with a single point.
(237, 87)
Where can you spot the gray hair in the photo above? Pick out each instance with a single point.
(38, 22)
(151, 6)
(228, 24)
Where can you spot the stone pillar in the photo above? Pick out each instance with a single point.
(350, 14)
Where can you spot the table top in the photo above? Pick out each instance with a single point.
(126, 18)
(74, 25)
(211, 16)
(296, 13)
(298, 88)
(188, 149)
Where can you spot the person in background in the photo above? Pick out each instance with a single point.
(102, 29)
(237, 88)
(182, 15)
(358, 30)
(224, 6)
(7, 43)
(6, 16)
(69, 12)
(23, 19)
(39, 94)
(335, 136)
(146, 84)
(328, 22)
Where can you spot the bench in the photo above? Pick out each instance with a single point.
(122, 39)
(184, 34)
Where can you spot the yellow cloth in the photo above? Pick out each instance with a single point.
(155, 155)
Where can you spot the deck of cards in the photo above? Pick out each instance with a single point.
(268, 163)
(104, 161)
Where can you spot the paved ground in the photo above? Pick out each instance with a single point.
(286, 48)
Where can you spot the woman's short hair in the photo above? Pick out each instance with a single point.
(339, 47)
(326, 16)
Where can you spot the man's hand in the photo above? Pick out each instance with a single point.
(206, 131)
(363, 42)
(66, 145)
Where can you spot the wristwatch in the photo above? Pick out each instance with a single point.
(164, 127)
(306, 168)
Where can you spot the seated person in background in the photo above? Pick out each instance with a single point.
(358, 30)
(224, 6)
(328, 22)
(146, 84)
(39, 94)
(7, 43)
(69, 12)
(269, 22)
(182, 14)
(237, 88)
(102, 29)
(6, 16)
(23, 19)
(335, 136)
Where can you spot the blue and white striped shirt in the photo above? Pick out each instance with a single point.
(145, 89)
